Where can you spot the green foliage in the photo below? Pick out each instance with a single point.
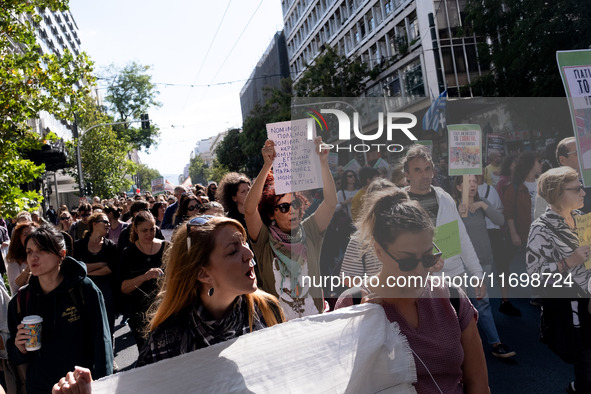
(524, 36)
(145, 175)
(217, 171)
(130, 94)
(199, 171)
(333, 75)
(31, 82)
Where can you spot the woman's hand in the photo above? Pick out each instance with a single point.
(476, 205)
(76, 382)
(322, 152)
(268, 152)
(515, 239)
(462, 209)
(579, 256)
(22, 336)
(153, 273)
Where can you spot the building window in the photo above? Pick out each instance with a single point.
(388, 7)
(413, 80)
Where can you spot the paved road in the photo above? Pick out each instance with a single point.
(535, 369)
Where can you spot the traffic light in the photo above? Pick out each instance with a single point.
(145, 121)
(89, 189)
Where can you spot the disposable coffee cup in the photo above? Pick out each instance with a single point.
(33, 324)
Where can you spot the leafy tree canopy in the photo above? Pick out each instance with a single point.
(31, 82)
(146, 175)
(131, 93)
(198, 170)
(523, 37)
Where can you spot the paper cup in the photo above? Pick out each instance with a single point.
(33, 323)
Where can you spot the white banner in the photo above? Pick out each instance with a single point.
(351, 350)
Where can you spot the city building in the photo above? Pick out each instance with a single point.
(268, 73)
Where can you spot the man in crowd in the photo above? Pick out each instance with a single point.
(418, 167)
(77, 229)
(169, 213)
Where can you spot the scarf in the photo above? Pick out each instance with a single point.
(232, 325)
(291, 253)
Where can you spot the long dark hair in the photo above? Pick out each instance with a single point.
(457, 194)
(344, 182)
(523, 165)
(48, 239)
(228, 188)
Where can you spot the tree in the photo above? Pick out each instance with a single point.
(198, 170)
(103, 155)
(130, 94)
(31, 82)
(230, 152)
(145, 175)
(333, 75)
(519, 39)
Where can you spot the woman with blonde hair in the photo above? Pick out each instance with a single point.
(209, 294)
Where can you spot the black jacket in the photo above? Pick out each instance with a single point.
(75, 330)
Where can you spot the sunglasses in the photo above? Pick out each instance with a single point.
(197, 221)
(577, 189)
(64, 218)
(411, 263)
(85, 215)
(285, 207)
(193, 207)
(102, 221)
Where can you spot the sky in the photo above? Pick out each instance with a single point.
(178, 40)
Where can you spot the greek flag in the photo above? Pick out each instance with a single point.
(434, 118)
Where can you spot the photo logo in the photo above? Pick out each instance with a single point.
(318, 117)
(344, 123)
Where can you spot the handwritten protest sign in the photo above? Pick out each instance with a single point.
(575, 70)
(297, 166)
(465, 149)
(584, 231)
(352, 165)
(447, 238)
(381, 163)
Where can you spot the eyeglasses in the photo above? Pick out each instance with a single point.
(197, 221)
(570, 153)
(64, 218)
(285, 207)
(577, 189)
(411, 263)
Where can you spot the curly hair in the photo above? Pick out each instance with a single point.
(269, 199)
(228, 188)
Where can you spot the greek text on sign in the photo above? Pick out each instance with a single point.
(296, 166)
(578, 80)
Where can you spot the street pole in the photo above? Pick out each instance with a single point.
(78, 159)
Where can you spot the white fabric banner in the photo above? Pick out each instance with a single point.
(352, 350)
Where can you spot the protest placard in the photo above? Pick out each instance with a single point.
(352, 165)
(333, 163)
(465, 149)
(296, 166)
(575, 70)
(584, 231)
(495, 142)
(447, 238)
(428, 144)
(350, 350)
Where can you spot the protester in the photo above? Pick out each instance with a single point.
(65, 221)
(78, 229)
(74, 330)
(445, 343)
(286, 247)
(507, 167)
(17, 269)
(232, 193)
(553, 249)
(209, 294)
(170, 211)
(366, 176)
(212, 189)
(348, 190)
(441, 208)
(116, 226)
(51, 215)
(136, 207)
(212, 208)
(492, 172)
(158, 209)
(188, 207)
(140, 268)
(101, 257)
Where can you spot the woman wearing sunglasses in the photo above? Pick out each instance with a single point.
(188, 207)
(101, 257)
(553, 250)
(442, 336)
(286, 247)
(141, 266)
(209, 294)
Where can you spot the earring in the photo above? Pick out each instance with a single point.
(273, 222)
(210, 292)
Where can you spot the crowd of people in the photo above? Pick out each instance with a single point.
(235, 256)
